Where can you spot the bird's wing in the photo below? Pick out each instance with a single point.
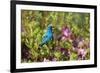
(47, 37)
(44, 37)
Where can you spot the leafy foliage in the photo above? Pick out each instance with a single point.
(33, 27)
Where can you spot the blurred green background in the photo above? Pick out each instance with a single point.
(33, 26)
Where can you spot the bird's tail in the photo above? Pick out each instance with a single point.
(40, 45)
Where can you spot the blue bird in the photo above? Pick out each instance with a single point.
(47, 36)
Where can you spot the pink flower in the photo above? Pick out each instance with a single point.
(45, 60)
(66, 32)
(54, 59)
(81, 54)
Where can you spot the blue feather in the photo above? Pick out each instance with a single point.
(47, 36)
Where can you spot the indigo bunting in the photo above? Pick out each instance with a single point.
(47, 36)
